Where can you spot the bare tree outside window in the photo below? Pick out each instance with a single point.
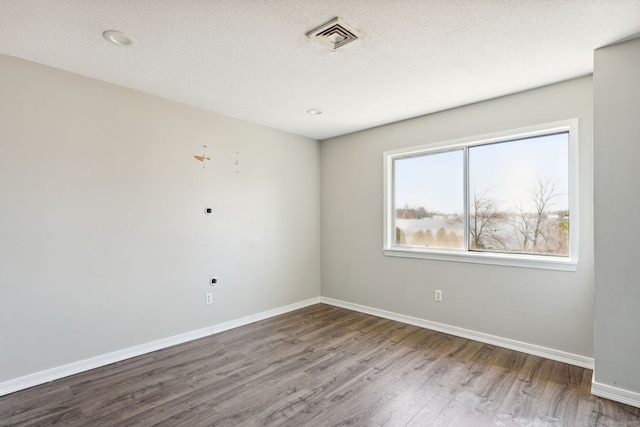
(542, 230)
(483, 222)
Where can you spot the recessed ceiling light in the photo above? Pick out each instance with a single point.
(314, 111)
(118, 38)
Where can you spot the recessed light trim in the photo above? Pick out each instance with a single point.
(119, 38)
(314, 111)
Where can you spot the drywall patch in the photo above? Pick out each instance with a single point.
(203, 158)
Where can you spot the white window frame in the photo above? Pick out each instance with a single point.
(547, 262)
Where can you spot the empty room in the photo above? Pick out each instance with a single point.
(327, 213)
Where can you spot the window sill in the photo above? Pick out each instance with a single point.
(540, 262)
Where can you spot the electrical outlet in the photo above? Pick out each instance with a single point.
(208, 298)
(438, 295)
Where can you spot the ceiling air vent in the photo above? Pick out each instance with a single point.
(335, 34)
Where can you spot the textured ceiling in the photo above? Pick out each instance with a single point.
(250, 59)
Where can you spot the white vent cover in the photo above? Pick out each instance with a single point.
(335, 34)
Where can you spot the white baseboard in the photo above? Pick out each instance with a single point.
(614, 393)
(536, 350)
(263, 315)
(42, 377)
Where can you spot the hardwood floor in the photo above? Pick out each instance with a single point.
(323, 366)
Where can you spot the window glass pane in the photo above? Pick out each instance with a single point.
(519, 196)
(429, 200)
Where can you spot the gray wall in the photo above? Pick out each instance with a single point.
(104, 243)
(548, 308)
(617, 268)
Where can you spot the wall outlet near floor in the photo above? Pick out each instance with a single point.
(438, 295)
(208, 298)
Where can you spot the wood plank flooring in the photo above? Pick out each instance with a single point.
(323, 366)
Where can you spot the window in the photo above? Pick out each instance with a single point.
(507, 199)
